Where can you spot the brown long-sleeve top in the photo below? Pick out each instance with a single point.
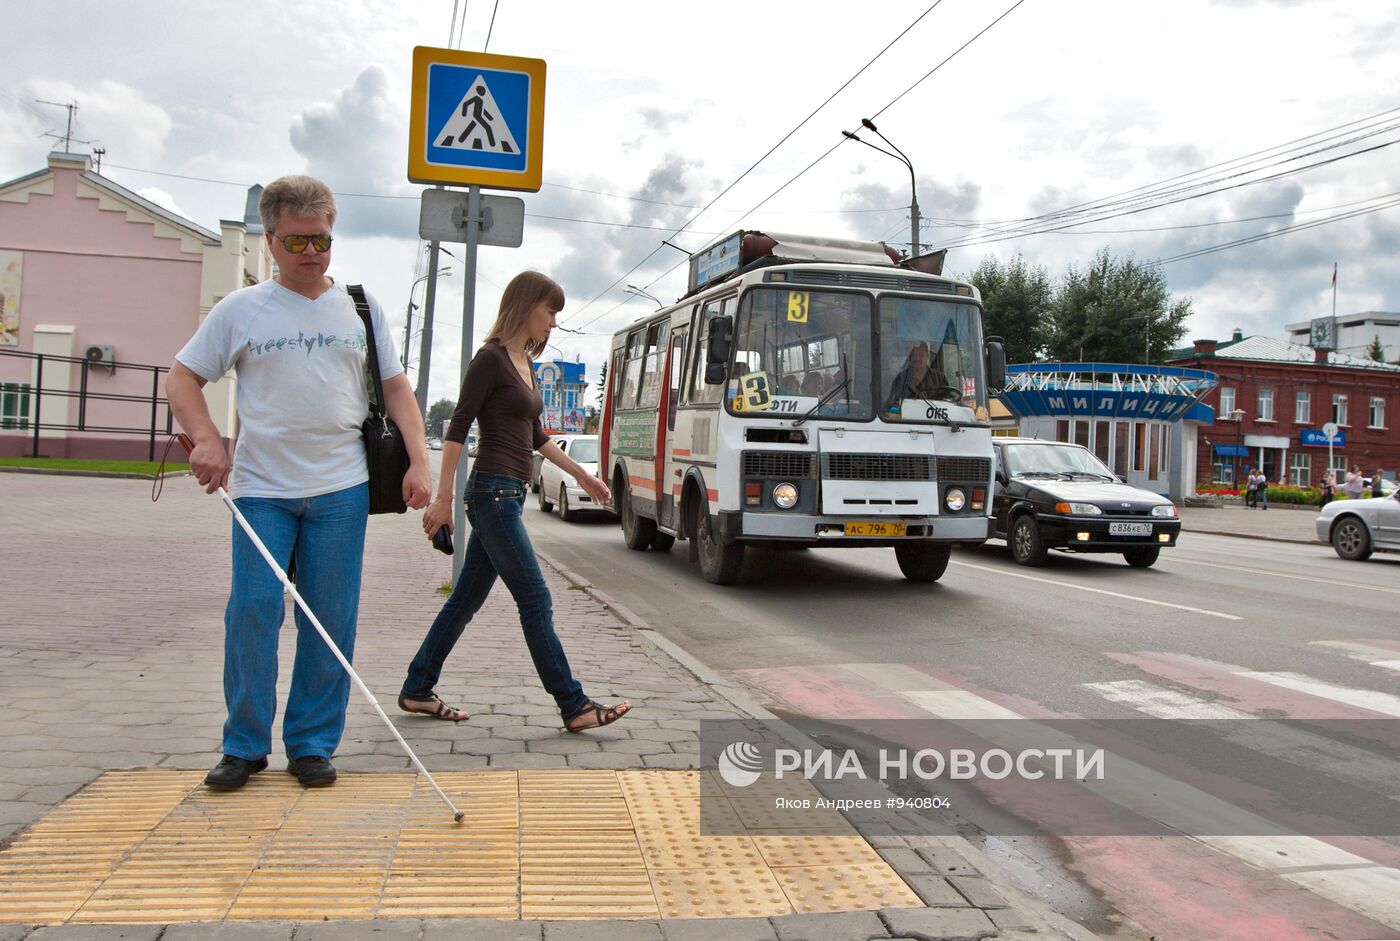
(507, 413)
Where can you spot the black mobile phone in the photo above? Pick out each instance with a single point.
(442, 539)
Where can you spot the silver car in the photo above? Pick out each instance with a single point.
(1356, 528)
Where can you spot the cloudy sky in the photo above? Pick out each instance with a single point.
(1184, 125)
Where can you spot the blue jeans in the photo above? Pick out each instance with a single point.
(327, 533)
(499, 546)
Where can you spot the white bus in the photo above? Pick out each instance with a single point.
(805, 392)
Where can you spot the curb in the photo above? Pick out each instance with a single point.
(741, 701)
(111, 475)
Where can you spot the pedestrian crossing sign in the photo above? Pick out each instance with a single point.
(477, 120)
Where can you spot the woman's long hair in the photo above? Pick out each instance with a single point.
(522, 294)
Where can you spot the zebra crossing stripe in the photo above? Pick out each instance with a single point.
(1327, 871)
(1374, 700)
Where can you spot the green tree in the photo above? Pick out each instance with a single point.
(602, 382)
(1016, 299)
(1376, 350)
(439, 412)
(1115, 311)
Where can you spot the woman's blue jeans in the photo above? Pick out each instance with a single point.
(499, 546)
(327, 535)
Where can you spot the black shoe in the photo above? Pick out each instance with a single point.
(233, 772)
(312, 771)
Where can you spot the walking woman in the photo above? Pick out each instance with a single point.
(499, 393)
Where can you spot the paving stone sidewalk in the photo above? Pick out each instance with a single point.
(110, 657)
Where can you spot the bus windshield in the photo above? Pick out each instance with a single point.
(930, 357)
(794, 348)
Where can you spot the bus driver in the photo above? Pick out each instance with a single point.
(917, 380)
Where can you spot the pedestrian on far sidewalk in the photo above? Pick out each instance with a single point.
(1376, 479)
(499, 389)
(1326, 490)
(1355, 486)
(1261, 491)
(1250, 482)
(298, 348)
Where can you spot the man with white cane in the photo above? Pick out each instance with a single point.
(298, 348)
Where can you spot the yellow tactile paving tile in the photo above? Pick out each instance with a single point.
(585, 893)
(825, 850)
(157, 847)
(451, 893)
(740, 892)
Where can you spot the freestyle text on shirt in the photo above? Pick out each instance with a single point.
(300, 365)
(506, 410)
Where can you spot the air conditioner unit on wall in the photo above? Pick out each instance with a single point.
(101, 356)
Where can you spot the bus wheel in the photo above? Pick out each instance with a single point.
(662, 542)
(637, 531)
(719, 564)
(922, 562)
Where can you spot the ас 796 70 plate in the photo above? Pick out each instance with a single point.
(873, 528)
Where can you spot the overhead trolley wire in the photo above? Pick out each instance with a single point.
(754, 165)
(829, 151)
(1099, 209)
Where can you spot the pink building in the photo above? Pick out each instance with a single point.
(99, 288)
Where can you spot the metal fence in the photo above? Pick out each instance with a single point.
(150, 413)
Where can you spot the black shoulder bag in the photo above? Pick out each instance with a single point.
(385, 451)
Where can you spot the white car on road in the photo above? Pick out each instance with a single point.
(559, 487)
(1356, 528)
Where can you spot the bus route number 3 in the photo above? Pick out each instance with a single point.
(755, 393)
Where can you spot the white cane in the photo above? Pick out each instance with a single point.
(188, 444)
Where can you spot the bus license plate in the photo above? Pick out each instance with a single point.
(874, 529)
(1130, 529)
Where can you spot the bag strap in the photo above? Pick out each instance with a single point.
(357, 294)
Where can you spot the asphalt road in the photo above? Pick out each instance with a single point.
(1221, 627)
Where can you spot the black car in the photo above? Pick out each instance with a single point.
(1056, 495)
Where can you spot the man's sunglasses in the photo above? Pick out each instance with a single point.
(296, 244)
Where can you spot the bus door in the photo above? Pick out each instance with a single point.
(605, 423)
(668, 472)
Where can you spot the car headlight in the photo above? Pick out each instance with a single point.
(955, 499)
(1078, 509)
(1168, 511)
(785, 496)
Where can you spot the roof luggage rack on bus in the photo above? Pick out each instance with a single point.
(746, 250)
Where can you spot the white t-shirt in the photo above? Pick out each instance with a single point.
(301, 385)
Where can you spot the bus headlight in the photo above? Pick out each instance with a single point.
(955, 499)
(785, 496)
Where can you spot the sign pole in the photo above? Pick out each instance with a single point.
(473, 226)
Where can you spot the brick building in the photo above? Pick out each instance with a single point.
(1273, 399)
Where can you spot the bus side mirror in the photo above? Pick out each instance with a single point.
(717, 350)
(996, 365)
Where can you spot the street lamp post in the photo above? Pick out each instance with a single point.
(408, 321)
(1238, 417)
(913, 184)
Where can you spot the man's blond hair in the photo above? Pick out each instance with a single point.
(298, 196)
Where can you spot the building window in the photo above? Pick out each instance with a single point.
(14, 405)
(1139, 446)
(1300, 469)
(1302, 408)
(1339, 409)
(1266, 405)
(1339, 468)
(1377, 412)
(1227, 401)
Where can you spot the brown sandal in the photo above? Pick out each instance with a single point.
(595, 715)
(443, 711)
